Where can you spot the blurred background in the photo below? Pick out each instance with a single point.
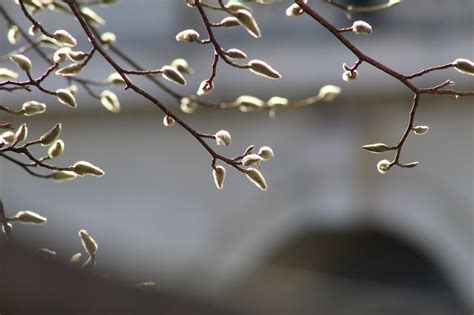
(331, 235)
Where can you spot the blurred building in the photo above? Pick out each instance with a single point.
(331, 233)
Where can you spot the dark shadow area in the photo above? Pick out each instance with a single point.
(363, 271)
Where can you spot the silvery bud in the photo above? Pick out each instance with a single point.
(350, 75)
(62, 176)
(464, 66)
(70, 70)
(110, 101)
(7, 74)
(116, 79)
(256, 177)
(377, 148)
(262, 68)
(13, 34)
(251, 159)
(182, 66)
(108, 38)
(51, 136)
(361, 28)
(29, 217)
(32, 108)
(246, 19)
(329, 92)
(7, 137)
(219, 176)
(64, 38)
(248, 103)
(82, 168)
(294, 10)
(61, 54)
(229, 22)
(236, 53)
(89, 244)
(75, 259)
(206, 87)
(65, 96)
(92, 17)
(266, 153)
(23, 62)
(188, 35)
(223, 137)
(187, 105)
(21, 133)
(277, 101)
(168, 121)
(56, 149)
(421, 130)
(170, 73)
(383, 166)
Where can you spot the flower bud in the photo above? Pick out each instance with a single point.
(92, 17)
(464, 66)
(421, 130)
(170, 73)
(277, 101)
(116, 79)
(182, 66)
(248, 103)
(236, 53)
(257, 178)
(234, 6)
(51, 136)
(7, 74)
(377, 148)
(23, 62)
(56, 149)
(77, 55)
(89, 244)
(191, 3)
(62, 176)
(29, 217)
(246, 19)
(329, 92)
(266, 153)
(383, 166)
(82, 168)
(33, 30)
(294, 10)
(219, 176)
(32, 108)
(64, 38)
(75, 259)
(229, 22)
(206, 87)
(7, 137)
(108, 38)
(168, 121)
(251, 159)
(13, 34)
(70, 70)
(21, 133)
(350, 75)
(110, 101)
(262, 68)
(187, 105)
(61, 54)
(188, 35)
(66, 97)
(223, 137)
(361, 28)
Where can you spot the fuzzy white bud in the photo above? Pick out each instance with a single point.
(262, 68)
(23, 62)
(256, 177)
(383, 166)
(82, 168)
(110, 101)
(219, 176)
(29, 217)
(223, 137)
(266, 153)
(361, 28)
(421, 130)
(64, 38)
